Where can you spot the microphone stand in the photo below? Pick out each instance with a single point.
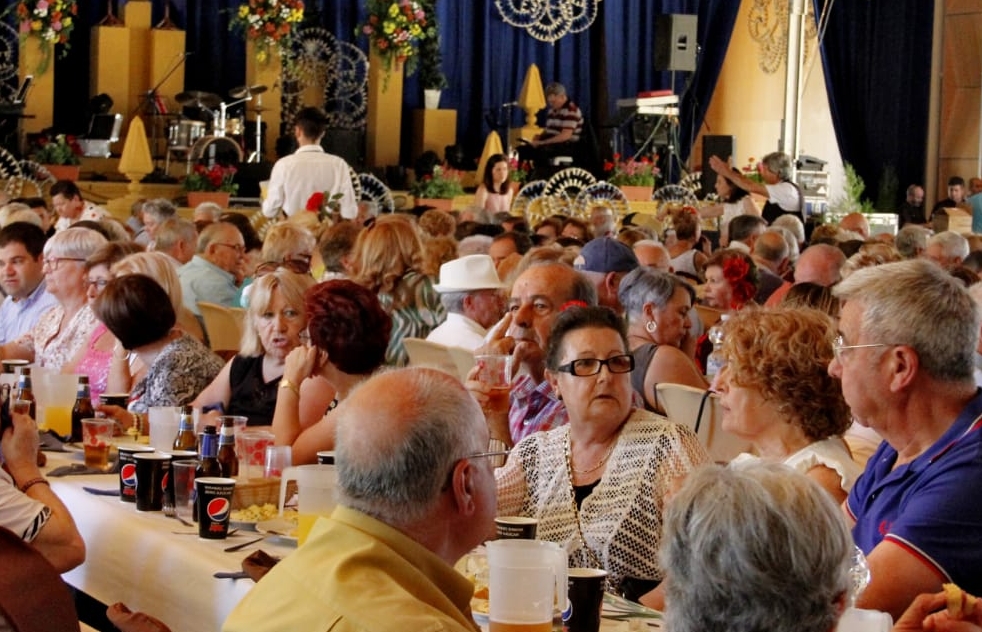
(152, 97)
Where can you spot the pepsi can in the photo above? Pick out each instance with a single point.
(127, 471)
(214, 498)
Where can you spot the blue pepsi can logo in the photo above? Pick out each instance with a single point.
(127, 474)
(218, 509)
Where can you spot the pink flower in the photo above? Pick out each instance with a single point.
(25, 27)
(367, 29)
(42, 5)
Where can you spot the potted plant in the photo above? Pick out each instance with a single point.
(395, 30)
(50, 21)
(518, 172)
(431, 76)
(210, 185)
(60, 155)
(438, 190)
(636, 178)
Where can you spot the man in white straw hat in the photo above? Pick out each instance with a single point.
(470, 290)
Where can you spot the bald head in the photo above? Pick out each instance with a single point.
(398, 436)
(820, 264)
(771, 250)
(857, 223)
(653, 254)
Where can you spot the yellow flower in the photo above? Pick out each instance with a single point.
(243, 10)
(393, 10)
(66, 22)
(261, 56)
(36, 25)
(415, 30)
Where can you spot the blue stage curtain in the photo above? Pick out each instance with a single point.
(877, 59)
(484, 58)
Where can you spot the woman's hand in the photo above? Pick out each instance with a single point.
(928, 612)
(123, 418)
(301, 363)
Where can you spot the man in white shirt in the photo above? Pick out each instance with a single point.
(470, 290)
(66, 198)
(22, 279)
(309, 170)
(783, 195)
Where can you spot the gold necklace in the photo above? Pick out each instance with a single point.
(596, 466)
(572, 496)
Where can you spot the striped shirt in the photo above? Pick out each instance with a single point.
(568, 116)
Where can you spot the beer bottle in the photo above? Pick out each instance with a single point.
(83, 407)
(186, 439)
(208, 464)
(25, 391)
(226, 449)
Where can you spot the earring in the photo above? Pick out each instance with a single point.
(650, 326)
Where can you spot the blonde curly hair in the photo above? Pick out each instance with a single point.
(784, 353)
(385, 251)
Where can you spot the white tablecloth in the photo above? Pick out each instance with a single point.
(135, 558)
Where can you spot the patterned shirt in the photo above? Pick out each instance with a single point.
(534, 407)
(414, 318)
(568, 116)
(90, 212)
(55, 346)
(180, 371)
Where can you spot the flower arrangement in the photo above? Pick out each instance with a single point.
(63, 149)
(750, 171)
(51, 21)
(518, 171)
(443, 184)
(631, 172)
(267, 23)
(394, 29)
(218, 178)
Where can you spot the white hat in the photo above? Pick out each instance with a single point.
(473, 272)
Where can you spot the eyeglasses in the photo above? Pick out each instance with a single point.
(496, 452)
(100, 284)
(54, 262)
(839, 345)
(585, 367)
(238, 248)
(299, 265)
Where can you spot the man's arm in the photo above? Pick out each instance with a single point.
(274, 192)
(722, 167)
(563, 136)
(897, 576)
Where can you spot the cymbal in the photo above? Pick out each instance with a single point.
(244, 91)
(198, 98)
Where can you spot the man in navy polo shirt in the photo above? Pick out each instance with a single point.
(907, 334)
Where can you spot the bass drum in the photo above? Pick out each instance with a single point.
(211, 150)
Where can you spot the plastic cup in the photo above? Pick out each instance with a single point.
(214, 498)
(55, 394)
(495, 371)
(252, 459)
(127, 470)
(182, 473)
(586, 597)
(164, 422)
(277, 459)
(97, 437)
(316, 486)
(152, 474)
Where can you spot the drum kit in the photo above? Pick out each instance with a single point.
(219, 137)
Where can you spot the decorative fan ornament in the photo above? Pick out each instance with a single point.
(692, 182)
(569, 181)
(35, 179)
(9, 44)
(10, 173)
(675, 194)
(319, 58)
(355, 182)
(546, 206)
(374, 190)
(601, 193)
(549, 20)
(526, 194)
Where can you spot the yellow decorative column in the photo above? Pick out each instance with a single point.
(269, 74)
(41, 99)
(134, 163)
(531, 99)
(384, 128)
(492, 146)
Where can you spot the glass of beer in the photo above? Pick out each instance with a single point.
(495, 371)
(97, 437)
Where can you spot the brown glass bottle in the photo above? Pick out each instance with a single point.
(26, 392)
(208, 464)
(226, 449)
(83, 407)
(186, 439)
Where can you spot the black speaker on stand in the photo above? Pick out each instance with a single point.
(722, 146)
(675, 42)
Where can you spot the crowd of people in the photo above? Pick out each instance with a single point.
(835, 371)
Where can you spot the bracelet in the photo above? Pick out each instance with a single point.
(137, 423)
(40, 480)
(285, 383)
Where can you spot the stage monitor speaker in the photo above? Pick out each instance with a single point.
(675, 42)
(347, 143)
(722, 146)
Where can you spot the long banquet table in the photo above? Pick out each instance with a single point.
(135, 557)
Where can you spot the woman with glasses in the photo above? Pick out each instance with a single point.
(776, 392)
(598, 485)
(275, 321)
(346, 338)
(97, 357)
(57, 341)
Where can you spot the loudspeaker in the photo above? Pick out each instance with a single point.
(347, 143)
(675, 42)
(722, 146)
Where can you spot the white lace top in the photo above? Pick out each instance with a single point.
(832, 453)
(621, 519)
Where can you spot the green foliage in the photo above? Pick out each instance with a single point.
(851, 200)
(443, 184)
(431, 75)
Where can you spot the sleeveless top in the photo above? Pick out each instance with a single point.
(250, 395)
(498, 202)
(95, 364)
(685, 262)
(772, 211)
(642, 359)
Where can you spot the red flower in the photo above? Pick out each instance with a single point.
(315, 202)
